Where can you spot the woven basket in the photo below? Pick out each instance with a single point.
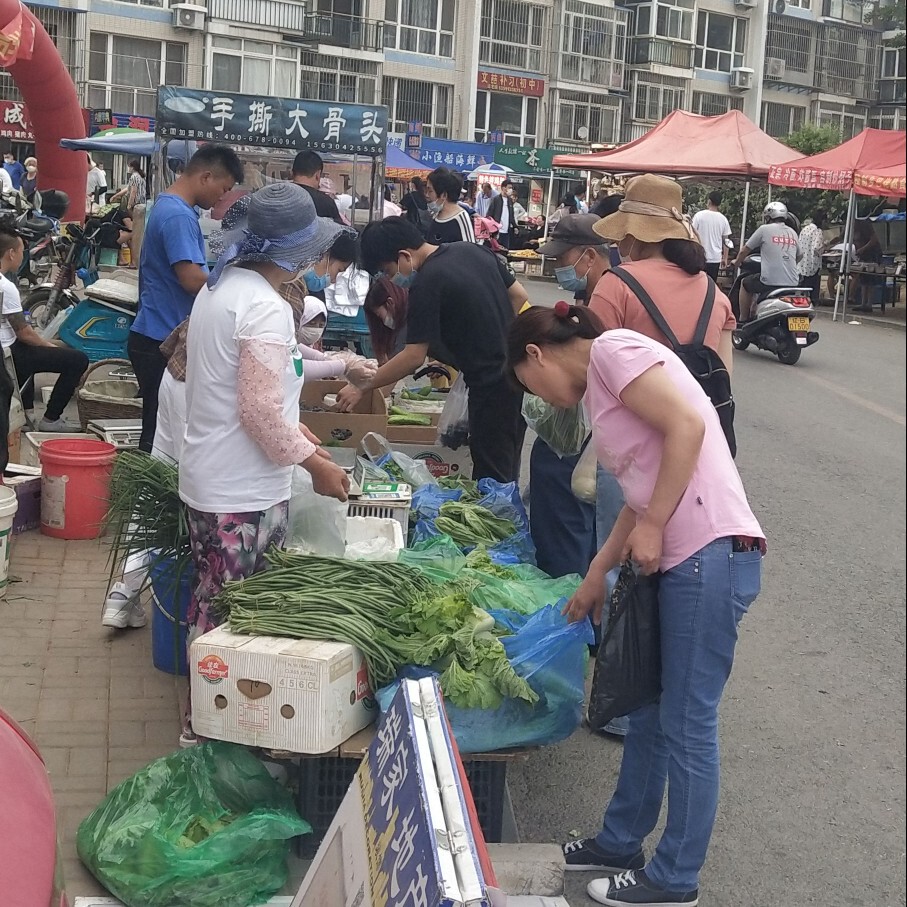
(108, 390)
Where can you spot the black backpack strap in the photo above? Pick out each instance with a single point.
(705, 315)
(648, 304)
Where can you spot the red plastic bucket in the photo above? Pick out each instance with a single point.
(74, 487)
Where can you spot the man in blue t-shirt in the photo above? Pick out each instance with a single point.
(15, 170)
(173, 267)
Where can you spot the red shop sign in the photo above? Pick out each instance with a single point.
(14, 123)
(524, 85)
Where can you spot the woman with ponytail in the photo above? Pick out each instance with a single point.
(687, 517)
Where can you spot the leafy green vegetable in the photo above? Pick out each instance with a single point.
(470, 524)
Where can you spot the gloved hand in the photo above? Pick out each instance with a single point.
(361, 373)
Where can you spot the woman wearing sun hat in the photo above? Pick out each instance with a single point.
(660, 249)
(244, 375)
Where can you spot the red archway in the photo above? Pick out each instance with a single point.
(33, 61)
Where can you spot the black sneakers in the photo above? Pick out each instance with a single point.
(633, 889)
(586, 855)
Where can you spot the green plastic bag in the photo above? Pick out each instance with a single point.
(438, 557)
(205, 826)
(526, 596)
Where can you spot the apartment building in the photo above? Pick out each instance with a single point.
(564, 74)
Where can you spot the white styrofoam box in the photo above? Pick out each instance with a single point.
(373, 538)
(32, 441)
(389, 501)
(300, 695)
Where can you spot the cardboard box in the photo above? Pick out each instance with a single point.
(336, 429)
(28, 494)
(300, 695)
(441, 461)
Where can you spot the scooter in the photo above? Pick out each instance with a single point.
(782, 321)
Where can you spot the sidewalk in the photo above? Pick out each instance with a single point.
(90, 697)
(894, 317)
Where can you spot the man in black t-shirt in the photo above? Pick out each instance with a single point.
(462, 299)
(307, 171)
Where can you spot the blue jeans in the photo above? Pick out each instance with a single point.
(675, 740)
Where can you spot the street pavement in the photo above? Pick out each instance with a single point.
(812, 806)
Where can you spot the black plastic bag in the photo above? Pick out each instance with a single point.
(628, 665)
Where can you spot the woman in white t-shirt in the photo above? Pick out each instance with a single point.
(244, 375)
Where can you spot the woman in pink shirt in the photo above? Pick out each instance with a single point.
(686, 515)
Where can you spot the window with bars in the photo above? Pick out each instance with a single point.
(420, 26)
(846, 61)
(124, 73)
(410, 100)
(593, 44)
(654, 97)
(709, 104)
(513, 33)
(800, 4)
(666, 19)
(849, 120)
(720, 42)
(254, 67)
(347, 79)
(597, 116)
(516, 117)
(790, 40)
(779, 120)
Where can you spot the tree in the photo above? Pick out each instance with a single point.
(813, 139)
(889, 15)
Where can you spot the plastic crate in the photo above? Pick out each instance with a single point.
(323, 783)
(386, 510)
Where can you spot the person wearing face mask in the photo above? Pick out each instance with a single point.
(29, 184)
(462, 299)
(319, 276)
(450, 221)
(501, 210)
(15, 170)
(385, 311)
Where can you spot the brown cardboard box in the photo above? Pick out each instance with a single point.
(415, 434)
(336, 429)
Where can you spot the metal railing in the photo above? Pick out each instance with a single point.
(892, 91)
(661, 52)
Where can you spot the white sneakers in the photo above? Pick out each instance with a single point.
(123, 609)
(59, 425)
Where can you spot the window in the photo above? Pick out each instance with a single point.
(845, 10)
(347, 79)
(654, 97)
(850, 120)
(145, 2)
(409, 100)
(847, 61)
(780, 120)
(513, 34)
(890, 119)
(254, 67)
(512, 115)
(800, 4)
(593, 44)
(790, 40)
(588, 118)
(893, 63)
(709, 104)
(720, 42)
(670, 19)
(420, 26)
(124, 73)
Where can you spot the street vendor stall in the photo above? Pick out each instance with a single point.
(871, 163)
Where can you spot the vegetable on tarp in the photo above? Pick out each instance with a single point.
(470, 524)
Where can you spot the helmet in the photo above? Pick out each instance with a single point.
(775, 211)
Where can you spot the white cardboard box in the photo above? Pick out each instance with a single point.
(299, 695)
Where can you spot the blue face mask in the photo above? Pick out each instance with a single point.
(314, 283)
(404, 281)
(567, 279)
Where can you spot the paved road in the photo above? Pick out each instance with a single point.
(812, 808)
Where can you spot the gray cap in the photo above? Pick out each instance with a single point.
(573, 231)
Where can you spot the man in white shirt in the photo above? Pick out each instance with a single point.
(6, 182)
(483, 199)
(713, 230)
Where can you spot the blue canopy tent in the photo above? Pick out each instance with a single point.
(400, 166)
(112, 141)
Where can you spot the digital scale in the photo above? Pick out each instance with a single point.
(123, 434)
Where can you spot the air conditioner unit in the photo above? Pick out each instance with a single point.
(741, 78)
(775, 68)
(746, 4)
(189, 16)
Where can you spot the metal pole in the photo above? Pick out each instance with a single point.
(843, 277)
(589, 189)
(746, 207)
(548, 203)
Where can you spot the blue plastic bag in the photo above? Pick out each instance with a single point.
(551, 656)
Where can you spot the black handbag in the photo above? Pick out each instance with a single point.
(628, 664)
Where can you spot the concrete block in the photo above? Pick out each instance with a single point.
(528, 868)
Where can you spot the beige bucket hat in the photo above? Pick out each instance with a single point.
(652, 211)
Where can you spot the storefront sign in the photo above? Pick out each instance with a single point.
(522, 159)
(99, 120)
(524, 85)
(460, 156)
(186, 113)
(15, 124)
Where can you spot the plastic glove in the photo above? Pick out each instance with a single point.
(361, 373)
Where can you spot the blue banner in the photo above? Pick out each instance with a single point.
(460, 156)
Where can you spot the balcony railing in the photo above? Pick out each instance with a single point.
(661, 52)
(892, 91)
(351, 32)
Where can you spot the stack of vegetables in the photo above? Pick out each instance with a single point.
(392, 613)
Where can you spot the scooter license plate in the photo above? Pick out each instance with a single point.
(798, 324)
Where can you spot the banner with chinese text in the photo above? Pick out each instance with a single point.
(238, 119)
(459, 156)
(510, 84)
(15, 124)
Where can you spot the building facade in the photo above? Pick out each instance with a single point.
(564, 74)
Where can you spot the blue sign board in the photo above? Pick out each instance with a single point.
(460, 156)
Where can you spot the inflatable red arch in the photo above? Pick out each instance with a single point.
(36, 67)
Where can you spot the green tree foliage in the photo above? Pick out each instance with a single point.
(889, 16)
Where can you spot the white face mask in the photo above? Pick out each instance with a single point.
(389, 322)
(310, 335)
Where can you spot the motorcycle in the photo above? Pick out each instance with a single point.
(782, 322)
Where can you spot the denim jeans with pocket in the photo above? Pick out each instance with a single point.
(674, 741)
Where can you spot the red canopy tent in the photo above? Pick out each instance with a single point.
(871, 163)
(687, 144)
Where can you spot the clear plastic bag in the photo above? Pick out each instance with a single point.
(563, 430)
(203, 827)
(453, 426)
(583, 482)
(317, 523)
(398, 466)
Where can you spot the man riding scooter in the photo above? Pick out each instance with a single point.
(778, 246)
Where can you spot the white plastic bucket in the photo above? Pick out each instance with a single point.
(9, 504)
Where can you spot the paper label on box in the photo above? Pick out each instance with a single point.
(340, 667)
(53, 501)
(299, 674)
(254, 716)
(213, 669)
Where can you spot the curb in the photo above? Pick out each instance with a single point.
(874, 320)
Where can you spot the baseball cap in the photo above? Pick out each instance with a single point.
(572, 231)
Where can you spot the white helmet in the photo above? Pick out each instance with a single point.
(774, 211)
